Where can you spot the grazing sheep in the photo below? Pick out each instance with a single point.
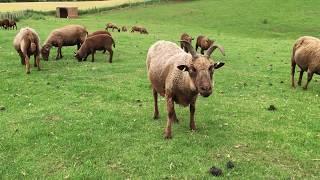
(99, 32)
(180, 77)
(66, 36)
(12, 24)
(112, 26)
(185, 37)
(4, 23)
(26, 43)
(95, 43)
(204, 43)
(124, 29)
(140, 29)
(305, 54)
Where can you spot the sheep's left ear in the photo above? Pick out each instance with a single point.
(218, 65)
(183, 68)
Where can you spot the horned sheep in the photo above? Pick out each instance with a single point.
(180, 77)
(27, 43)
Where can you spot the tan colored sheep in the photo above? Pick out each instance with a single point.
(180, 77)
(26, 44)
(69, 35)
(305, 54)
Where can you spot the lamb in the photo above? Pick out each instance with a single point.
(305, 54)
(140, 29)
(99, 32)
(124, 29)
(69, 35)
(185, 37)
(95, 43)
(180, 77)
(112, 26)
(26, 43)
(204, 43)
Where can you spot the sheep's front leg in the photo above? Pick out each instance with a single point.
(93, 55)
(58, 53)
(192, 111)
(171, 112)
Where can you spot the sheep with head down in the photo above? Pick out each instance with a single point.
(204, 43)
(180, 77)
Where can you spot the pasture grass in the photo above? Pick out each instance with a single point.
(94, 120)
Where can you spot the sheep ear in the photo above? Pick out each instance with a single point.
(213, 47)
(190, 48)
(218, 65)
(183, 68)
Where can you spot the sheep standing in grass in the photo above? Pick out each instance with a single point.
(26, 44)
(204, 43)
(69, 35)
(180, 77)
(100, 42)
(185, 37)
(124, 29)
(305, 54)
(140, 29)
(99, 32)
(12, 24)
(112, 26)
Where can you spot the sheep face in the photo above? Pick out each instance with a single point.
(201, 72)
(45, 51)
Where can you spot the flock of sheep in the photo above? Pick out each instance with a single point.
(177, 73)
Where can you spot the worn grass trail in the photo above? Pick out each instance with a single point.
(91, 120)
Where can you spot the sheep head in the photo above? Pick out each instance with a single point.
(202, 68)
(45, 51)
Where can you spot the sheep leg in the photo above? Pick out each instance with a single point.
(93, 56)
(26, 59)
(78, 46)
(111, 55)
(300, 77)
(37, 61)
(202, 51)
(171, 112)
(156, 110)
(58, 53)
(61, 53)
(192, 110)
(22, 58)
(104, 51)
(310, 74)
(293, 69)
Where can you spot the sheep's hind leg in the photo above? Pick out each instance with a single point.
(156, 109)
(22, 58)
(293, 68)
(300, 77)
(310, 74)
(111, 55)
(27, 64)
(37, 62)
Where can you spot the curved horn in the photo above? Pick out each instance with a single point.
(213, 47)
(190, 48)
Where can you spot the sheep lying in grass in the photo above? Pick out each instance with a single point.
(305, 54)
(140, 29)
(69, 35)
(180, 77)
(185, 37)
(204, 43)
(95, 43)
(26, 44)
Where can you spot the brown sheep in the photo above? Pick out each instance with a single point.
(124, 29)
(95, 43)
(305, 54)
(5, 23)
(204, 43)
(69, 35)
(99, 32)
(12, 24)
(26, 43)
(180, 77)
(185, 37)
(112, 26)
(140, 29)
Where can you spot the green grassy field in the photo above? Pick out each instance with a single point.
(94, 120)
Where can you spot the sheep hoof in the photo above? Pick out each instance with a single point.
(28, 72)
(305, 88)
(167, 134)
(156, 117)
(176, 120)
